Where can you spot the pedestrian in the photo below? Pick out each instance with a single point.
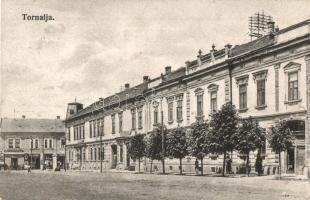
(29, 169)
(196, 166)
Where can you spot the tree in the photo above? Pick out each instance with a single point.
(197, 141)
(249, 137)
(280, 139)
(177, 144)
(154, 149)
(136, 148)
(223, 126)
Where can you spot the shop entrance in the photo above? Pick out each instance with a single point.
(14, 163)
(291, 160)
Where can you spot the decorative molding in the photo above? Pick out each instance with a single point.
(198, 91)
(213, 88)
(260, 75)
(170, 99)
(179, 97)
(292, 66)
(155, 104)
(307, 57)
(242, 80)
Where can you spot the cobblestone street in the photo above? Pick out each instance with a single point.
(92, 185)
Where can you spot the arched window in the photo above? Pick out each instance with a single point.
(298, 128)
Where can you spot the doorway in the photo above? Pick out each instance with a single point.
(114, 156)
(291, 160)
(14, 163)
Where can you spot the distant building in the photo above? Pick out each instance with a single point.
(267, 79)
(32, 142)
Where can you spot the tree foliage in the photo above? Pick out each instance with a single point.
(280, 139)
(223, 128)
(137, 147)
(177, 144)
(154, 143)
(197, 141)
(249, 137)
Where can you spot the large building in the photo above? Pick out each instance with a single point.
(36, 142)
(267, 78)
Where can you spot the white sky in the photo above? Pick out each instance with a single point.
(94, 47)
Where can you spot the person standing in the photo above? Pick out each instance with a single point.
(196, 166)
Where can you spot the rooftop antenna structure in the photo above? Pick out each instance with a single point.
(258, 25)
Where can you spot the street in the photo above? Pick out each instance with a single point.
(93, 185)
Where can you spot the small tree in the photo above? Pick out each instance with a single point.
(177, 145)
(249, 137)
(136, 148)
(280, 139)
(223, 128)
(154, 146)
(197, 141)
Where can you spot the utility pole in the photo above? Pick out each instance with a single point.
(31, 146)
(162, 136)
(43, 143)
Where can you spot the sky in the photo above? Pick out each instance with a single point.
(92, 48)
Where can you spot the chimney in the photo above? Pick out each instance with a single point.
(57, 117)
(270, 26)
(24, 116)
(227, 50)
(212, 53)
(145, 79)
(127, 86)
(168, 69)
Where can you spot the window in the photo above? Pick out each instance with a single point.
(95, 128)
(297, 128)
(213, 101)
(45, 144)
(90, 129)
(74, 133)
(140, 118)
(17, 143)
(98, 127)
(102, 154)
(102, 126)
(31, 144)
(36, 142)
(121, 153)
(113, 123)
(133, 119)
(156, 115)
(170, 111)
(51, 143)
(83, 132)
(243, 96)
(199, 105)
(99, 154)
(261, 92)
(95, 154)
(11, 143)
(120, 121)
(69, 134)
(293, 86)
(91, 154)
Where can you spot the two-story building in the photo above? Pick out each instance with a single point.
(267, 79)
(34, 142)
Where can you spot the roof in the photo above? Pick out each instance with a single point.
(32, 125)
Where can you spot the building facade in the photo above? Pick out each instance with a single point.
(39, 143)
(267, 79)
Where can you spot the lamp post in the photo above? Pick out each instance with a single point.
(31, 146)
(162, 136)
